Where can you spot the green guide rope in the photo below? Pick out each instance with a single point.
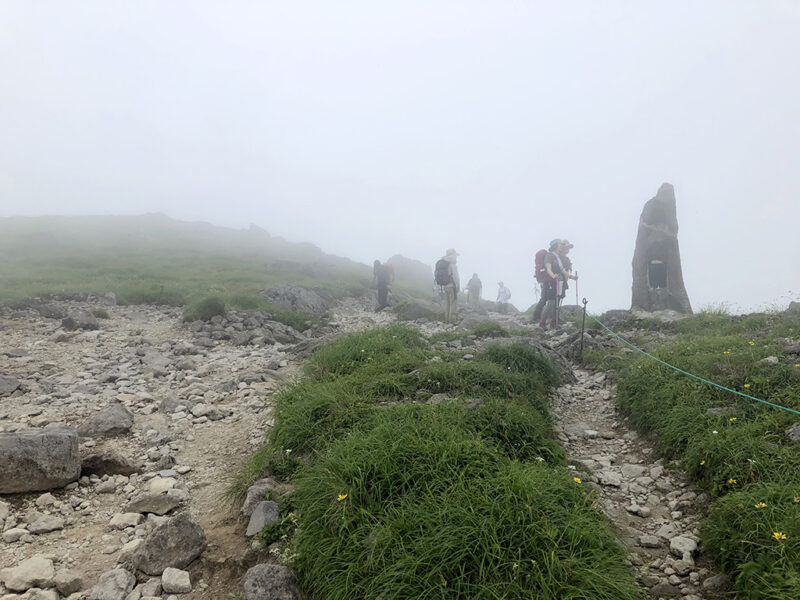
(674, 368)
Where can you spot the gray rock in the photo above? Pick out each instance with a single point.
(38, 459)
(265, 513)
(8, 385)
(716, 583)
(256, 493)
(68, 582)
(113, 585)
(610, 478)
(271, 582)
(14, 534)
(665, 590)
(174, 543)
(52, 311)
(114, 419)
(82, 320)
(649, 541)
(33, 572)
(152, 587)
(5, 510)
(108, 463)
(793, 433)
(158, 504)
(683, 547)
(46, 524)
(794, 308)
(176, 581)
(632, 471)
(299, 299)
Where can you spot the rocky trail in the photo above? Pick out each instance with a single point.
(168, 413)
(655, 511)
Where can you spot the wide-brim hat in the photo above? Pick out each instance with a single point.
(451, 252)
(567, 244)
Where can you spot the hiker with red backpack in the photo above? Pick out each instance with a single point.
(551, 274)
(383, 276)
(446, 277)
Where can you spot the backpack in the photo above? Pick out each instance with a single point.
(539, 270)
(441, 273)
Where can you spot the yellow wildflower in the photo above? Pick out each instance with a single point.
(576, 479)
(727, 352)
(341, 497)
(761, 505)
(797, 365)
(732, 419)
(702, 462)
(731, 481)
(779, 535)
(797, 499)
(747, 385)
(752, 343)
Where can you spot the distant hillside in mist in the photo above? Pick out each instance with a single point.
(154, 258)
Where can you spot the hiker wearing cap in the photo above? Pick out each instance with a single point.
(446, 277)
(557, 277)
(545, 278)
(503, 296)
(473, 289)
(566, 264)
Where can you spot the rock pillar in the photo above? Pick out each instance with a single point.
(657, 273)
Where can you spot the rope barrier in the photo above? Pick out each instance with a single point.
(692, 375)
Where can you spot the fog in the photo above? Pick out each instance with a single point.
(375, 128)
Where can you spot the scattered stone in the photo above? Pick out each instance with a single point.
(297, 299)
(265, 513)
(649, 541)
(683, 547)
(125, 520)
(152, 587)
(68, 582)
(716, 583)
(271, 582)
(175, 581)
(33, 572)
(114, 419)
(46, 524)
(38, 459)
(14, 534)
(256, 493)
(82, 320)
(159, 504)
(113, 585)
(174, 543)
(793, 433)
(108, 463)
(159, 485)
(8, 385)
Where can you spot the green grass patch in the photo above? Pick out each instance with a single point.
(467, 497)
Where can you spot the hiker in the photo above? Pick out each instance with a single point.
(503, 296)
(446, 277)
(566, 264)
(551, 274)
(473, 289)
(383, 277)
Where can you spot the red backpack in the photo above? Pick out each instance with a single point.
(539, 270)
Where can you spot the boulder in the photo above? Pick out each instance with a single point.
(657, 273)
(114, 419)
(8, 385)
(174, 543)
(298, 299)
(82, 320)
(33, 572)
(38, 459)
(411, 310)
(265, 513)
(46, 524)
(109, 462)
(271, 582)
(68, 582)
(52, 311)
(113, 585)
(158, 504)
(176, 581)
(794, 308)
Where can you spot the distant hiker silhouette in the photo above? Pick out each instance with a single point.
(446, 276)
(503, 296)
(383, 277)
(473, 289)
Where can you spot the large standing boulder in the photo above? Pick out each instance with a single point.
(175, 543)
(657, 274)
(38, 459)
(271, 582)
(114, 419)
(8, 385)
(298, 299)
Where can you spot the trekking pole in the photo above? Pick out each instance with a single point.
(583, 328)
(576, 288)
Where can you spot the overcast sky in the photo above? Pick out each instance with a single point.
(375, 128)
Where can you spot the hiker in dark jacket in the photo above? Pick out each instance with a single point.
(547, 287)
(383, 276)
(558, 277)
(446, 277)
(473, 289)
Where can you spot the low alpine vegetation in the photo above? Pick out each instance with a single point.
(734, 447)
(423, 475)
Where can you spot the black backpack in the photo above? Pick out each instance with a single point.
(441, 273)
